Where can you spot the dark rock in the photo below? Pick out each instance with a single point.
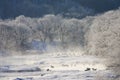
(18, 79)
(42, 74)
(30, 70)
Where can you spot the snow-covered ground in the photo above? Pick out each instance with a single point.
(49, 67)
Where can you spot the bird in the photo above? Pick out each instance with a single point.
(52, 66)
(94, 69)
(88, 69)
(48, 69)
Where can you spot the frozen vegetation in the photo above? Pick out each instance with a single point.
(57, 48)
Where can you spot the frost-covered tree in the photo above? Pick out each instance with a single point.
(104, 37)
(47, 29)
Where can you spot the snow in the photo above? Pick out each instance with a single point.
(48, 67)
